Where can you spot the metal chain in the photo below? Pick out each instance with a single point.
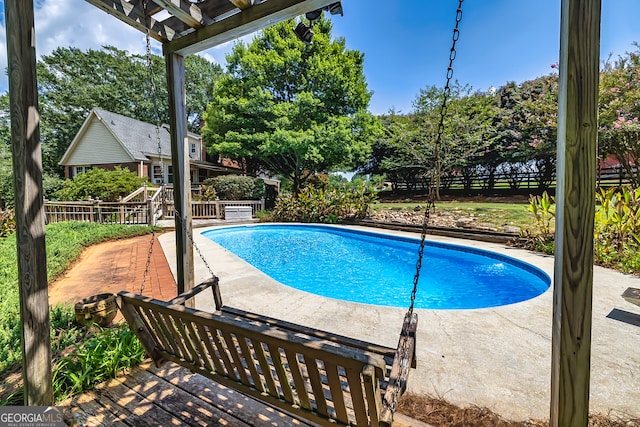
(156, 113)
(193, 242)
(443, 111)
(427, 213)
(154, 98)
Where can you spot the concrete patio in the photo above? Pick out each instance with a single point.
(497, 357)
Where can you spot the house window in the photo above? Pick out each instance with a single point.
(170, 175)
(157, 173)
(81, 169)
(193, 148)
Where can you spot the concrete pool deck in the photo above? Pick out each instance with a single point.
(498, 357)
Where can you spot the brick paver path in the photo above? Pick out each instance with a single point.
(115, 266)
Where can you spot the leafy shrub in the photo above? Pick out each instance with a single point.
(7, 222)
(319, 205)
(101, 184)
(617, 228)
(541, 238)
(50, 185)
(7, 193)
(95, 355)
(207, 193)
(236, 187)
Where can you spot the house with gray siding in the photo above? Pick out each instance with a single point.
(107, 139)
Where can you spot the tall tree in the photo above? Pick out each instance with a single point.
(292, 108)
(394, 153)
(527, 127)
(72, 82)
(466, 130)
(619, 132)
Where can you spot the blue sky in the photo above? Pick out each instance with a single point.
(406, 42)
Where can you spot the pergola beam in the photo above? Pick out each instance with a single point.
(134, 16)
(189, 13)
(246, 22)
(573, 278)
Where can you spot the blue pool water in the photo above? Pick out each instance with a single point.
(369, 268)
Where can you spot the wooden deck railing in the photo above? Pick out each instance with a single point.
(144, 206)
(214, 209)
(98, 211)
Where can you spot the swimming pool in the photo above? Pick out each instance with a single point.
(373, 268)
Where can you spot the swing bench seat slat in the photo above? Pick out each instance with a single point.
(315, 375)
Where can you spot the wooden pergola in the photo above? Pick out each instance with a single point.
(185, 27)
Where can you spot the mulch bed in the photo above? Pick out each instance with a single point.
(440, 413)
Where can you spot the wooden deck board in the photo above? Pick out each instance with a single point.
(171, 395)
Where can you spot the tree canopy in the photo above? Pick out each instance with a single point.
(511, 130)
(291, 108)
(72, 82)
(619, 132)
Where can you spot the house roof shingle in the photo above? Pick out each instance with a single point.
(136, 136)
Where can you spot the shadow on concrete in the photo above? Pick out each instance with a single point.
(625, 316)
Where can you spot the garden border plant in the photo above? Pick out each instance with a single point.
(616, 228)
(331, 205)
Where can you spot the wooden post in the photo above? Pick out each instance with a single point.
(577, 139)
(27, 178)
(181, 175)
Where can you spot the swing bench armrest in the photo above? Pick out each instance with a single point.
(210, 283)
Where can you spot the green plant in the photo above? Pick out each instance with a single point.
(543, 208)
(617, 228)
(95, 356)
(207, 192)
(65, 242)
(618, 220)
(101, 184)
(95, 360)
(319, 205)
(236, 187)
(541, 238)
(7, 222)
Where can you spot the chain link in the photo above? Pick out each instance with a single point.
(154, 96)
(176, 212)
(434, 177)
(156, 111)
(193, 242)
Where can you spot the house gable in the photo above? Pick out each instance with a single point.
(95, 144)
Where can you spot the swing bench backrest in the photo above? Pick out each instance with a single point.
(325, 378)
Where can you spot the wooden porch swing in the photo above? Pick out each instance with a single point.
(318, 376)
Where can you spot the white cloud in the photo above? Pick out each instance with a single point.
(206, 55)
(75, 23)
(87, 27)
